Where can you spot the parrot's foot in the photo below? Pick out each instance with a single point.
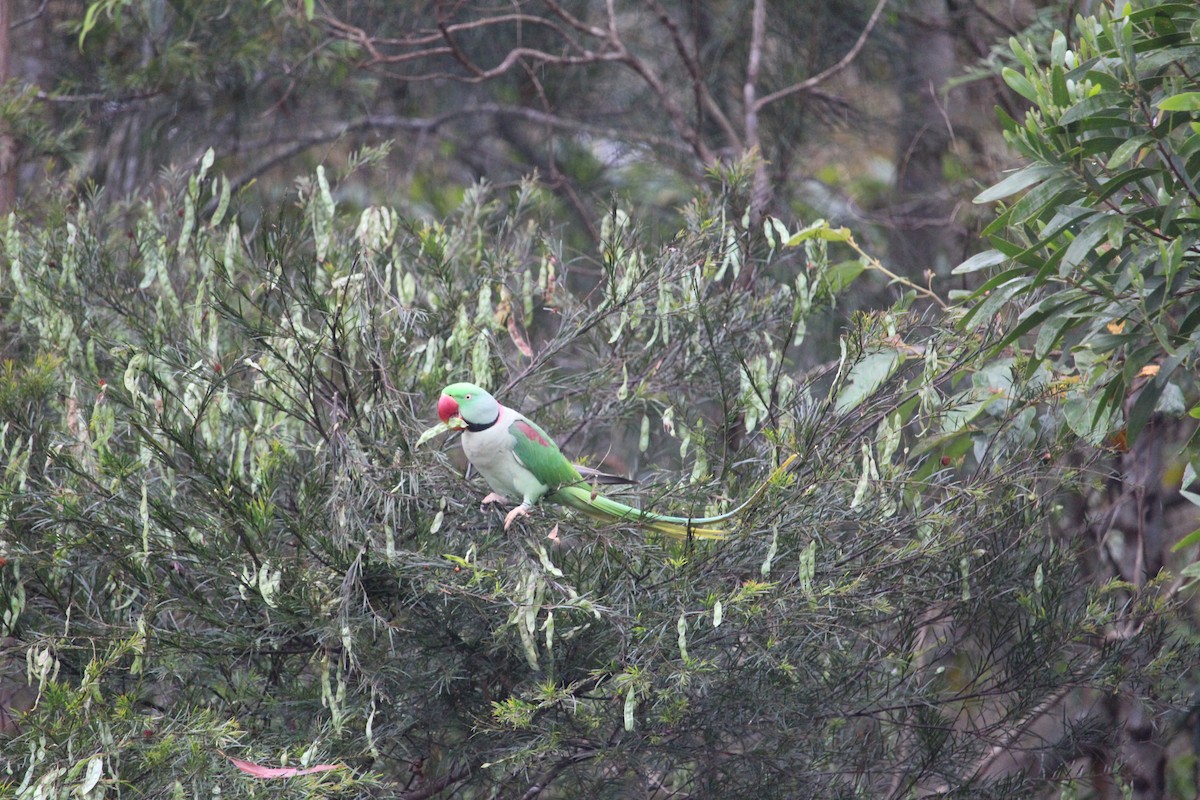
(492, 498)
(520, 511)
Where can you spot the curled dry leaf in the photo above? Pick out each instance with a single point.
(518, 338)
(267, 773)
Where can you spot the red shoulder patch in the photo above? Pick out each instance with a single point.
(532, 433)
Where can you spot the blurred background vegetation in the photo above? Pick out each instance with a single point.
(945, 251)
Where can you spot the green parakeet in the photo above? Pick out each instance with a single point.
(520, 461)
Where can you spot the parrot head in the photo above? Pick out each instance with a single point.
(465, 405)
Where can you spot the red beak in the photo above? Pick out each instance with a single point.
(447, 408)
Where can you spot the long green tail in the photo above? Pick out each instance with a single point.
(583, 498)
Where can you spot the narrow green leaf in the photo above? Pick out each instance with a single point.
(1050, 192)
(1095, 232)
(1021, 179)
(440, 428)
(988, 258)
(837, 277)
(834, 234)
(222, 202)
(1107, 105)
(991, 304)
(630, 706)
(771, 551)
(865, 377)
(1187, 541)
(1144, 404)
(1126, 150)
(1019, 84)
(808, 232)
(1184, 101)
(1052, 331)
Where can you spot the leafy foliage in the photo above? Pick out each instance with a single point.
(221, 537)
(1098, 251)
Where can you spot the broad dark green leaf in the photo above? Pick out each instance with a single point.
(996, 300)
(1021, 179)
(865, 377)
(1123, 179)
(1143, 405)
(1057, 190)
(979, 261)
(1190, 540)
(1019, 84)
(1083, 244)
(1051, 333)
(1111, 105)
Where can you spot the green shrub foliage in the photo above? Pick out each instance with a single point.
(224, 535)
(1097, 249)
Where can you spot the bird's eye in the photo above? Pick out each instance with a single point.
(468, 397)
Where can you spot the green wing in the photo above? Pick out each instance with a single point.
(538, 453)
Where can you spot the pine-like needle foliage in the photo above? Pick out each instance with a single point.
(220, 535)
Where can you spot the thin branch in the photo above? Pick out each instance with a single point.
(829, 72)
(437, 786)
(546, 778)
(95, 97)
(678, 120)
(32, 17)
(609, 49)
(760, 195)
(430, 36)
(758, 25)
(458, 54)
(704, 98)
(873, 263)
(428, 125)
(580, 25)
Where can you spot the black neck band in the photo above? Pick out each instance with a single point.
(476, 427)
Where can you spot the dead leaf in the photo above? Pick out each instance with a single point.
(553, 534)
(518, 339)
(268, 773)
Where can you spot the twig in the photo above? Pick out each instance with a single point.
(704, 98)
(875, 264)
(829, 72)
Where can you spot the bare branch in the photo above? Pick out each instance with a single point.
(424, 44)
(31, 18)
(758, 24)
(293, 147)
(436, 787)
(599, 33)
(704, 98)
(608, 49)
(829, 72)
(678, 119)
(546, 778)
(760, 195)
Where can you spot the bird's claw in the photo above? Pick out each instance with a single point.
(490, 499)
(519, 511)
